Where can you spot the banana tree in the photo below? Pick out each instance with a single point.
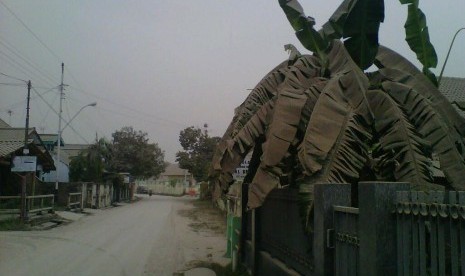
(323, 118)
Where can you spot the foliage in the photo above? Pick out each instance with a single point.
(132, 153)
(198, 151)
(90, 164)
(129, 151)
(320, 118)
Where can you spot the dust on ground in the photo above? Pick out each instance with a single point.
(203, 237)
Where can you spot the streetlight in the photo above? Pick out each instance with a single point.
(448, 52)
(60, 131)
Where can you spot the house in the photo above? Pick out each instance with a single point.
(241, 171)
(67, 152)
(173, 174)
(12, 144)
(172, 181)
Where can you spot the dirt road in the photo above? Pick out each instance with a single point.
(148, 237)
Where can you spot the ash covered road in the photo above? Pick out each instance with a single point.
(133, 239)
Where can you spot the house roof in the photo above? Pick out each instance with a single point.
(454, 90)
(3, 124)
(174, 170)
(72, 150)
(9, 134)
(12, 140)
(50, 138)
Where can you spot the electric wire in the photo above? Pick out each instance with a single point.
(11, 77)
(29, 30)
(66, 122)
(26, 71)
(166, 121)
(27, 60)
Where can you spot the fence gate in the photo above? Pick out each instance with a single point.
(430, 233)
(345, 241)
(274, 242)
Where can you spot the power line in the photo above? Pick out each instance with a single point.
(29, 30)
(26, 71)
(131, 109)
(15, 78)
(20, 103)
(11, 84)
(23, 57)
(51, 107)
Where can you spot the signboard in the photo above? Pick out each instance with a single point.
(24, 164)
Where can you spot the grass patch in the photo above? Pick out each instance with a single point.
(14, 224)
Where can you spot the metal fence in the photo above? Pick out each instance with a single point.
(430, 233)
(392, 231)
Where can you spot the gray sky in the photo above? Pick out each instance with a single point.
(163, 65)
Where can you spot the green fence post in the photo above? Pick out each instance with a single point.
(228, 236)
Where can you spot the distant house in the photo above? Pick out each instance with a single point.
(12, 144)
(67, 152)
(173, 174)
(3, 124)
(243, 168)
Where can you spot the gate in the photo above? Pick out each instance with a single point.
(346, 240)
(273, 239)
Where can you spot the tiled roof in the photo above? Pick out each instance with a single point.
(47, 138)
(13, 134)
(174, 170)
(3, 124)
(7, 147)
(72, 150)
(454, 90)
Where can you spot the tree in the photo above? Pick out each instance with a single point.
(132, 153)
(321, 118)
(198, 152)
(90, 164)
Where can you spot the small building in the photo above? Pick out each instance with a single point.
(241, 171)
(12, 144)
(173, 181)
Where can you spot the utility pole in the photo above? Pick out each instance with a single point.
(23, 215)
(10, 112)
(62, 96)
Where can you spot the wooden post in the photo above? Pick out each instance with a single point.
(377, 227)
(325, 196)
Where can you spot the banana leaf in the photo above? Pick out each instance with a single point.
(417, 37)
(397, 68)
(303, 27)
(361, 29)
(403, 150)
(280, 136)
(334, 28)
(431, 126)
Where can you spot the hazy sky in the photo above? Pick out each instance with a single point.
(163, 65)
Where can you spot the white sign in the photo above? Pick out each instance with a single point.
(24, 164)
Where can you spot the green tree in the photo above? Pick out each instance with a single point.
(90, 164)
(132, 152)
(198, 151)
